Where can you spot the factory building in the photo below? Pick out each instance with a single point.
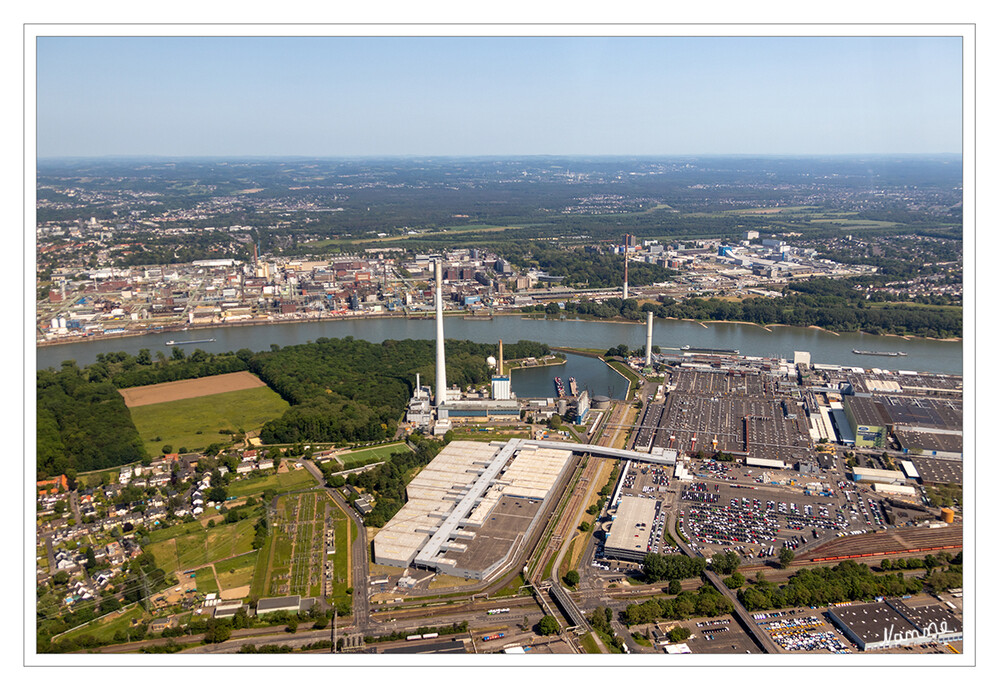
(871, 474)
(891, 623)
(867, 422)
(472, 507)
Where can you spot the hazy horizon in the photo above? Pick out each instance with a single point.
(387, 97)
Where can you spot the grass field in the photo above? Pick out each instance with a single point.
(628, 374)
(105, 628)
(205, 580)
(182, 550)
(258, 585)
(589, 645)
(195, 423)
(236, 572)
(289, 481)
(373, 454)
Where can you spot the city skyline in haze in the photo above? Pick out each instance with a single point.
(496, 96)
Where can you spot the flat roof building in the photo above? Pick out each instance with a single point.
(871, 474)
(891, 623)
(631, 529)
(472, 507)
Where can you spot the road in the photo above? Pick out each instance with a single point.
(358, 555)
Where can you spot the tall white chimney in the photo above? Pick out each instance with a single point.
(440, 389)
(648, 339)
(624, 293)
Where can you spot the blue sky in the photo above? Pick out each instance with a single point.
(497, 96)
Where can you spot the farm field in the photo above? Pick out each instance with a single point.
(189, 388)
(195, 422)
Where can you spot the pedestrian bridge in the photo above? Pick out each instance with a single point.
(668, 456)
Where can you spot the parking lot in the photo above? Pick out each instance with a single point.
(757, 515)
(721, 635)
(803, 630)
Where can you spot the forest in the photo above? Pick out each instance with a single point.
(340, 391)
(352, 390)
(829, 304)
(83, 424)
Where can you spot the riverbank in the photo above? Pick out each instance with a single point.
(510, 366)
(583, 352)
(338, 318)
(597, 335)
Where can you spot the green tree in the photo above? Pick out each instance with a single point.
(785, 557)
(678, 634)
(548, 625)
(572, 578)
(219, 630)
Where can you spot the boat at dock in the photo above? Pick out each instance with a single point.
(880, 354)
(559, 387)
(573, 388)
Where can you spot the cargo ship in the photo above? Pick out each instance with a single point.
(573, 388)
(559, 387)
(189, 342)
(880, 354)
(709, 350)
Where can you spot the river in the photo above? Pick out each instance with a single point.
(825, 347)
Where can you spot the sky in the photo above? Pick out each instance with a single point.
(385, 96)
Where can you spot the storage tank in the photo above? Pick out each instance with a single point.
(601, 402)
(947, 515)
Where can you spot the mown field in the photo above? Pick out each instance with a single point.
(281, 483)
(195, 423)
(183, 549)
(374, 454)
(236, 572)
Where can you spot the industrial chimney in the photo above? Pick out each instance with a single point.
(500, 369)
(624, 294)
(440, 389)
(648, 339)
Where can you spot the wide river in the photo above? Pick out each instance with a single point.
(825, 348)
